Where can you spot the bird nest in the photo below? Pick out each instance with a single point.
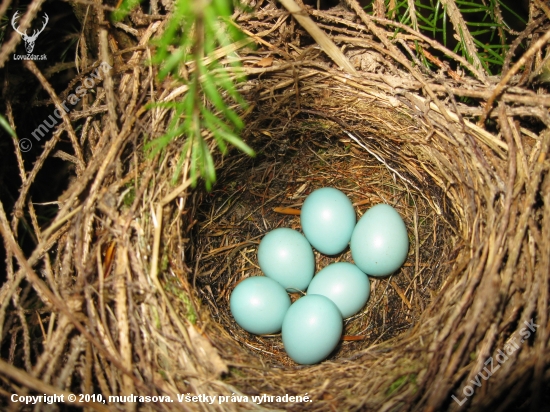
(127, 290)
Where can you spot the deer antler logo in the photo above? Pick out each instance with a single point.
(29, 40)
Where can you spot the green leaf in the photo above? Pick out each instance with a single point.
(210, 172)
(157, 145)
(209, 108)
(171, 64)
(4, 123)
(215, 121)
(209, 87)
(516, 15)
(124, 9)
(215, 97)
(237, 142)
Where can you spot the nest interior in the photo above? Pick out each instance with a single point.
(305, 153)
(127, 289)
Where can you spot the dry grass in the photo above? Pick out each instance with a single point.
(127, 290)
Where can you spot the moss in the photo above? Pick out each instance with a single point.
(176, 291)
(130, 195)
(236, 372)
(397, 384)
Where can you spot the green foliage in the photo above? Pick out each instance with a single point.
(129, 194)
(207, 115)
(124, 9)
(4, 123)
(174, 288)
(491, 32)
(4, 23)
(400, 382)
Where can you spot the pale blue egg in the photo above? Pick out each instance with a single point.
(259, 305)
(311, 329)
(379, 244)
(286, 256)
(328, 219)
(344, 284)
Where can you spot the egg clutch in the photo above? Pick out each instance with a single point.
(312, 326)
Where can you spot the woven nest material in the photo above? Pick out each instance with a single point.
(127, 290)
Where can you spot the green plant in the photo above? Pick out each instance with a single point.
(209, 109)
(490, 32)
(6, 126)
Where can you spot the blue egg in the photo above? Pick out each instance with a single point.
(344, 284)
(328, 219)
(311, 329)
(286, 256)
(259, 305)
(379, 244)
